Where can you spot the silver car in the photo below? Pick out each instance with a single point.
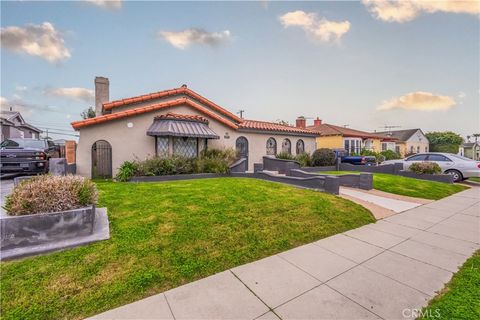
(460, 167)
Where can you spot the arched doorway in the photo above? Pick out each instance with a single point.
(101, 160)
(241, 146)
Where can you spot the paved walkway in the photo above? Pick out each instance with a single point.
(378, 271)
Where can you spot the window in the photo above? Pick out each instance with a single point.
(418, 149)
(271, 147)
(300, 146)
(384, 146)
(287, 146)
(162, 146)
(419, 157)
(426, 149)
(185, 146)
(397, 149)
(437, 157)
(411, 149)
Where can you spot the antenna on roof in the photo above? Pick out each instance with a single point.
(346, 125)
(389, 128)
(240, 112)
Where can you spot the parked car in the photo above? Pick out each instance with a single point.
(359, 160)
(460, 167)
(26, 155)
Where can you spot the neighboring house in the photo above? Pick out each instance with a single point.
(14, 126)
(408, 141)
(351, 140)
(178, 122)
(470, 150)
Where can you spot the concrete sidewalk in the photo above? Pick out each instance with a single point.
(378, 271)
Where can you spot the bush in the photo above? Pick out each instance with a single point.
(215, 161)
(48, 193)
(425, 168)
(323, 157)
(285, 156)
(378, 156)
(127, 170)
(160, 166)
(390, 155)
(304, 159)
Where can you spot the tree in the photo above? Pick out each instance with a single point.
(88, 113)
(446, 141)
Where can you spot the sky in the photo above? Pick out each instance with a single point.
(365, 64)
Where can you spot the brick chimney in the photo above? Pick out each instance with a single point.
(301, 122)
(317, 122)
(102, 94)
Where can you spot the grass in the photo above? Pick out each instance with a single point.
(166, 234)
(475, 179)
(460, 297)
(409, 186)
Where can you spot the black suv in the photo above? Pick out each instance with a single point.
(26, 155)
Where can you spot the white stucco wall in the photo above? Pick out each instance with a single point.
(131, 143)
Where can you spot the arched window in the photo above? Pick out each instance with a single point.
(287, 146)
(271, 147)
(300, 146)
(101, 159)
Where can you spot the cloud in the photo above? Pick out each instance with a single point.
(320, 29)
(407, 10)
(185, 38)
(37, 40)
(107, 4)
(419, 100)
(83, 94)
(26, 108)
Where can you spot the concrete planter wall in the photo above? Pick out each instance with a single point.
(37, 229)
(280, 165)
(239, 166)
(446, 178)
(362, 181)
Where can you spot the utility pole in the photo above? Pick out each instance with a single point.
(240, 112)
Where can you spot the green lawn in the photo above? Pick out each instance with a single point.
(409, 186)
(460, 299)
(166, 234)
(474, 179)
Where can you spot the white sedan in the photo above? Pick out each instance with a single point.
(460, 167)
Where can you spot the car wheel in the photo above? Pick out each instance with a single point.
(457, 175)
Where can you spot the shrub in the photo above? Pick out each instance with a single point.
(378, 156)
(160, 166)
(215, 161)
(323, 157)
(390, 155)
(305, 159)
(48, 193)
(285, 156)
(127, 170)
(425, 168)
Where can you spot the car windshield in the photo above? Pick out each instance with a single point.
(23, 143)
(460, 157)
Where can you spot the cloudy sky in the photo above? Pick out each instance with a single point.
(363, 64)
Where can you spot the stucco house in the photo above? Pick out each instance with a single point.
(470, 150)
(177, 121)
(351, 140)
(14, 126)
(408, 141)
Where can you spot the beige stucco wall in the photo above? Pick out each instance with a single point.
(129, 143)
(333, 142)
(417, 140)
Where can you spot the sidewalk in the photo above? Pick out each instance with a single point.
(373, 272)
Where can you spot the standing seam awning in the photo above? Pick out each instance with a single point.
(179, 128)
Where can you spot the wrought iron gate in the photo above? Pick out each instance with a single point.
(101, 159)
(241, 146)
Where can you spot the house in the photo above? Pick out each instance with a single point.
(174, 122)
(14, 126)
(470, 150)
(351, 140)
(409, 141)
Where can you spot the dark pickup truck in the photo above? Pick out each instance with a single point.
(359, 160)
(28, 156)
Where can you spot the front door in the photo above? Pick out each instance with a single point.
(101, 160)
(241, 147)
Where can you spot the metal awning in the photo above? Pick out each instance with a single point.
(181, 128)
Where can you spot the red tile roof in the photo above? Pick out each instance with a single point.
(167, 93)
(271, 126)
(326, 129)
(154, 107)
(176, 116)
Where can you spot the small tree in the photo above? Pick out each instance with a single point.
(446, 141)
(323, 157)
(88, 113)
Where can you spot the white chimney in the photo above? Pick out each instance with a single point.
(102, 94)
